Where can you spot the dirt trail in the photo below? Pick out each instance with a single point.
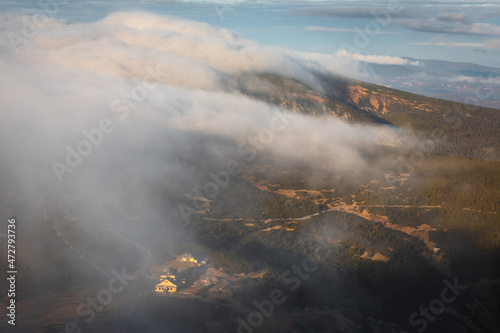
(346, 208)
(422, 232)
(479, 211)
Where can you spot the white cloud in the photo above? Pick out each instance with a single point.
(484, 82)
(385, 60)
(326, 29)
(441, 41)
(450, 24)
(122, 43)
(376, 59)
(66, 79)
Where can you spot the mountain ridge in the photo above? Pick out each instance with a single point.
(455, 128)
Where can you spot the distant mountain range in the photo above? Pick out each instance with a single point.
(456, 81)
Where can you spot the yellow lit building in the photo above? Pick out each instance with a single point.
(187, 257)
(166, 286)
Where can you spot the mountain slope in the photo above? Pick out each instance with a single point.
(454, 128)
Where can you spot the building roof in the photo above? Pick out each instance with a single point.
(166, 283)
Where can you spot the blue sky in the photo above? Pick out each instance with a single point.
(449, 30)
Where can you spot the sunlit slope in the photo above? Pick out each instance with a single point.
(454, 128)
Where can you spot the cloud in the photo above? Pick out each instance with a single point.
(361, 11)
(453, 17)
(375, 59)
(450, 23)
(154, 100)
(385, 60)
(121, 43)
(489, 82)
(441, 41)
(326, 29)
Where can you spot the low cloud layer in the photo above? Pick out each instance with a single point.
(439, 40)
(451, 24)
(132, 97)
(123, 44)
(377, 59)
(327, 29)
